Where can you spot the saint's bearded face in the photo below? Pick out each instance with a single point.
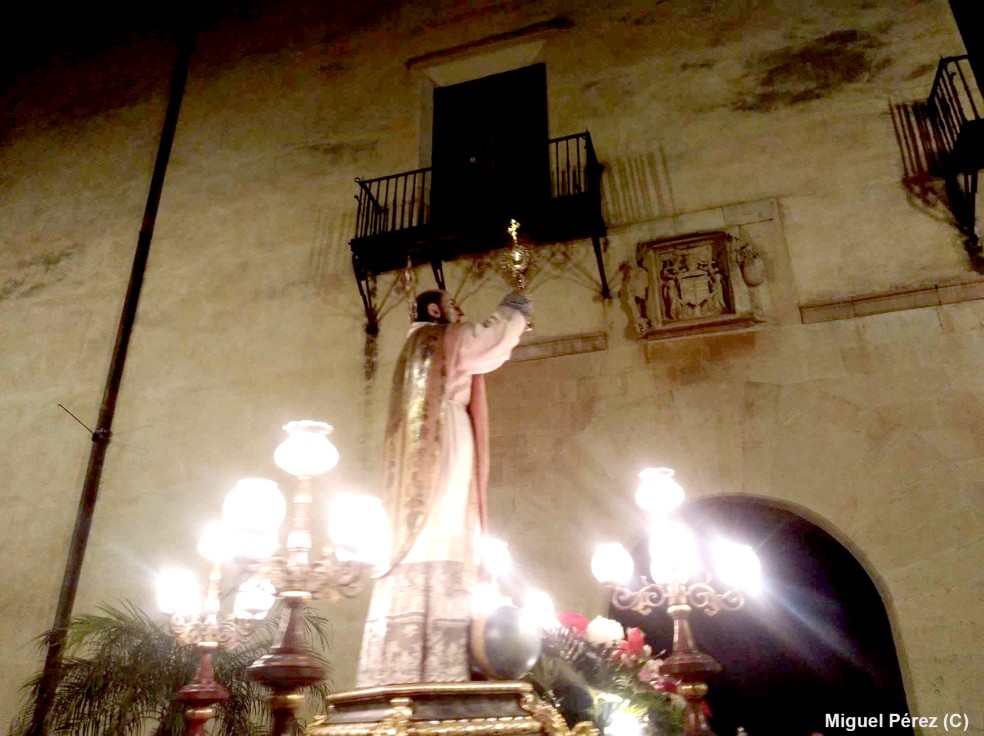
(450, 310)
(447, 311)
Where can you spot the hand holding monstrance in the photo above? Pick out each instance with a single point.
(516, 263)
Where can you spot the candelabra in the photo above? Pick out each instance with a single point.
(254, 509)
(677, 583)
(249, 532)
(201, 624)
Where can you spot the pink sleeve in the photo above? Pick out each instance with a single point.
(486, 346)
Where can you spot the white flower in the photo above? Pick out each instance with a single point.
(678, 701)
(604, 631)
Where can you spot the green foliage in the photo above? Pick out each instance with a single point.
(602, 683)
(583, 698)
(122, 670)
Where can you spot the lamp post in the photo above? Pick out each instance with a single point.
(253, 511)
(677, 582)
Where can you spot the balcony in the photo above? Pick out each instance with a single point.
(408, 217)
(955, 106)
(954, 109)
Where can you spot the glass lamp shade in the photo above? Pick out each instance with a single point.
(254, 504)
(307, 451)
(737, 566)
(178, 592)
(612, 563)
(216, 543)
(254, 599)
(673, 553)
(359, 529)
(657, 492)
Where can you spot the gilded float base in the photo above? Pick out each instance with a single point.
(444, 709)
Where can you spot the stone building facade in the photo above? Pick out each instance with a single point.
(823, 356)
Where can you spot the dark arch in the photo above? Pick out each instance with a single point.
(816, 641)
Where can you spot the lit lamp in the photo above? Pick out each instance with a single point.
(674, 582)
(253, 512)
(198, 622)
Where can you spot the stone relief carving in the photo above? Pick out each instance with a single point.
(751, 264)
(692, 283)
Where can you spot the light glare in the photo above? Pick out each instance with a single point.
(215, 543)
(657, 492)
(486, 598)
(624, 723)
(539, 607)
(673, 553)
(178, 592)
(612, 564)
(358, 527)
(254, 504)
(495, 556)
(737, 565)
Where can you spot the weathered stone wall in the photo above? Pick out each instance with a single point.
(770, 120)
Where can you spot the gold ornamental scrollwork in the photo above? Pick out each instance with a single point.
(533, 716)
(395, 721)
(700, 596)
(552, 723)
(512, 726)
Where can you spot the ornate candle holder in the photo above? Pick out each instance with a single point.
(674, 584)
(249, 533)
(254, 509)
(203, 627)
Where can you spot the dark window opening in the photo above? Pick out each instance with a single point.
(490, 156)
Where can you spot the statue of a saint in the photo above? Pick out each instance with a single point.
(435, 471)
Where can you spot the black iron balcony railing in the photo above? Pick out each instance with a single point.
(573, 166)
(395, 202)
(395, 223)
(402, 201)
(955, 106)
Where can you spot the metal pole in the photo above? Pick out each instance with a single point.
(103, 432)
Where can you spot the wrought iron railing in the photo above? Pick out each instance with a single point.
(395, 202)
(573, 165)
(402, 201)
(954, 101)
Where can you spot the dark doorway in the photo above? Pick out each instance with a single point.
(970, 21)
(490, 153)
(815, 641)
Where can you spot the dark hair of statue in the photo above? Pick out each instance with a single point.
(424, 300)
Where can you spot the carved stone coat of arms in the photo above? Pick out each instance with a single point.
(690, 284)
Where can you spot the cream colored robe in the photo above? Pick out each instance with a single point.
(417, 628)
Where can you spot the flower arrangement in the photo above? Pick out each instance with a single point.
(596, 670)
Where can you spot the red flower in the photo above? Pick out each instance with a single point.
(573, 621)
(665, 685)
(633, 644)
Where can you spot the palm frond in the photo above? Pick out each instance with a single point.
(122, 670)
